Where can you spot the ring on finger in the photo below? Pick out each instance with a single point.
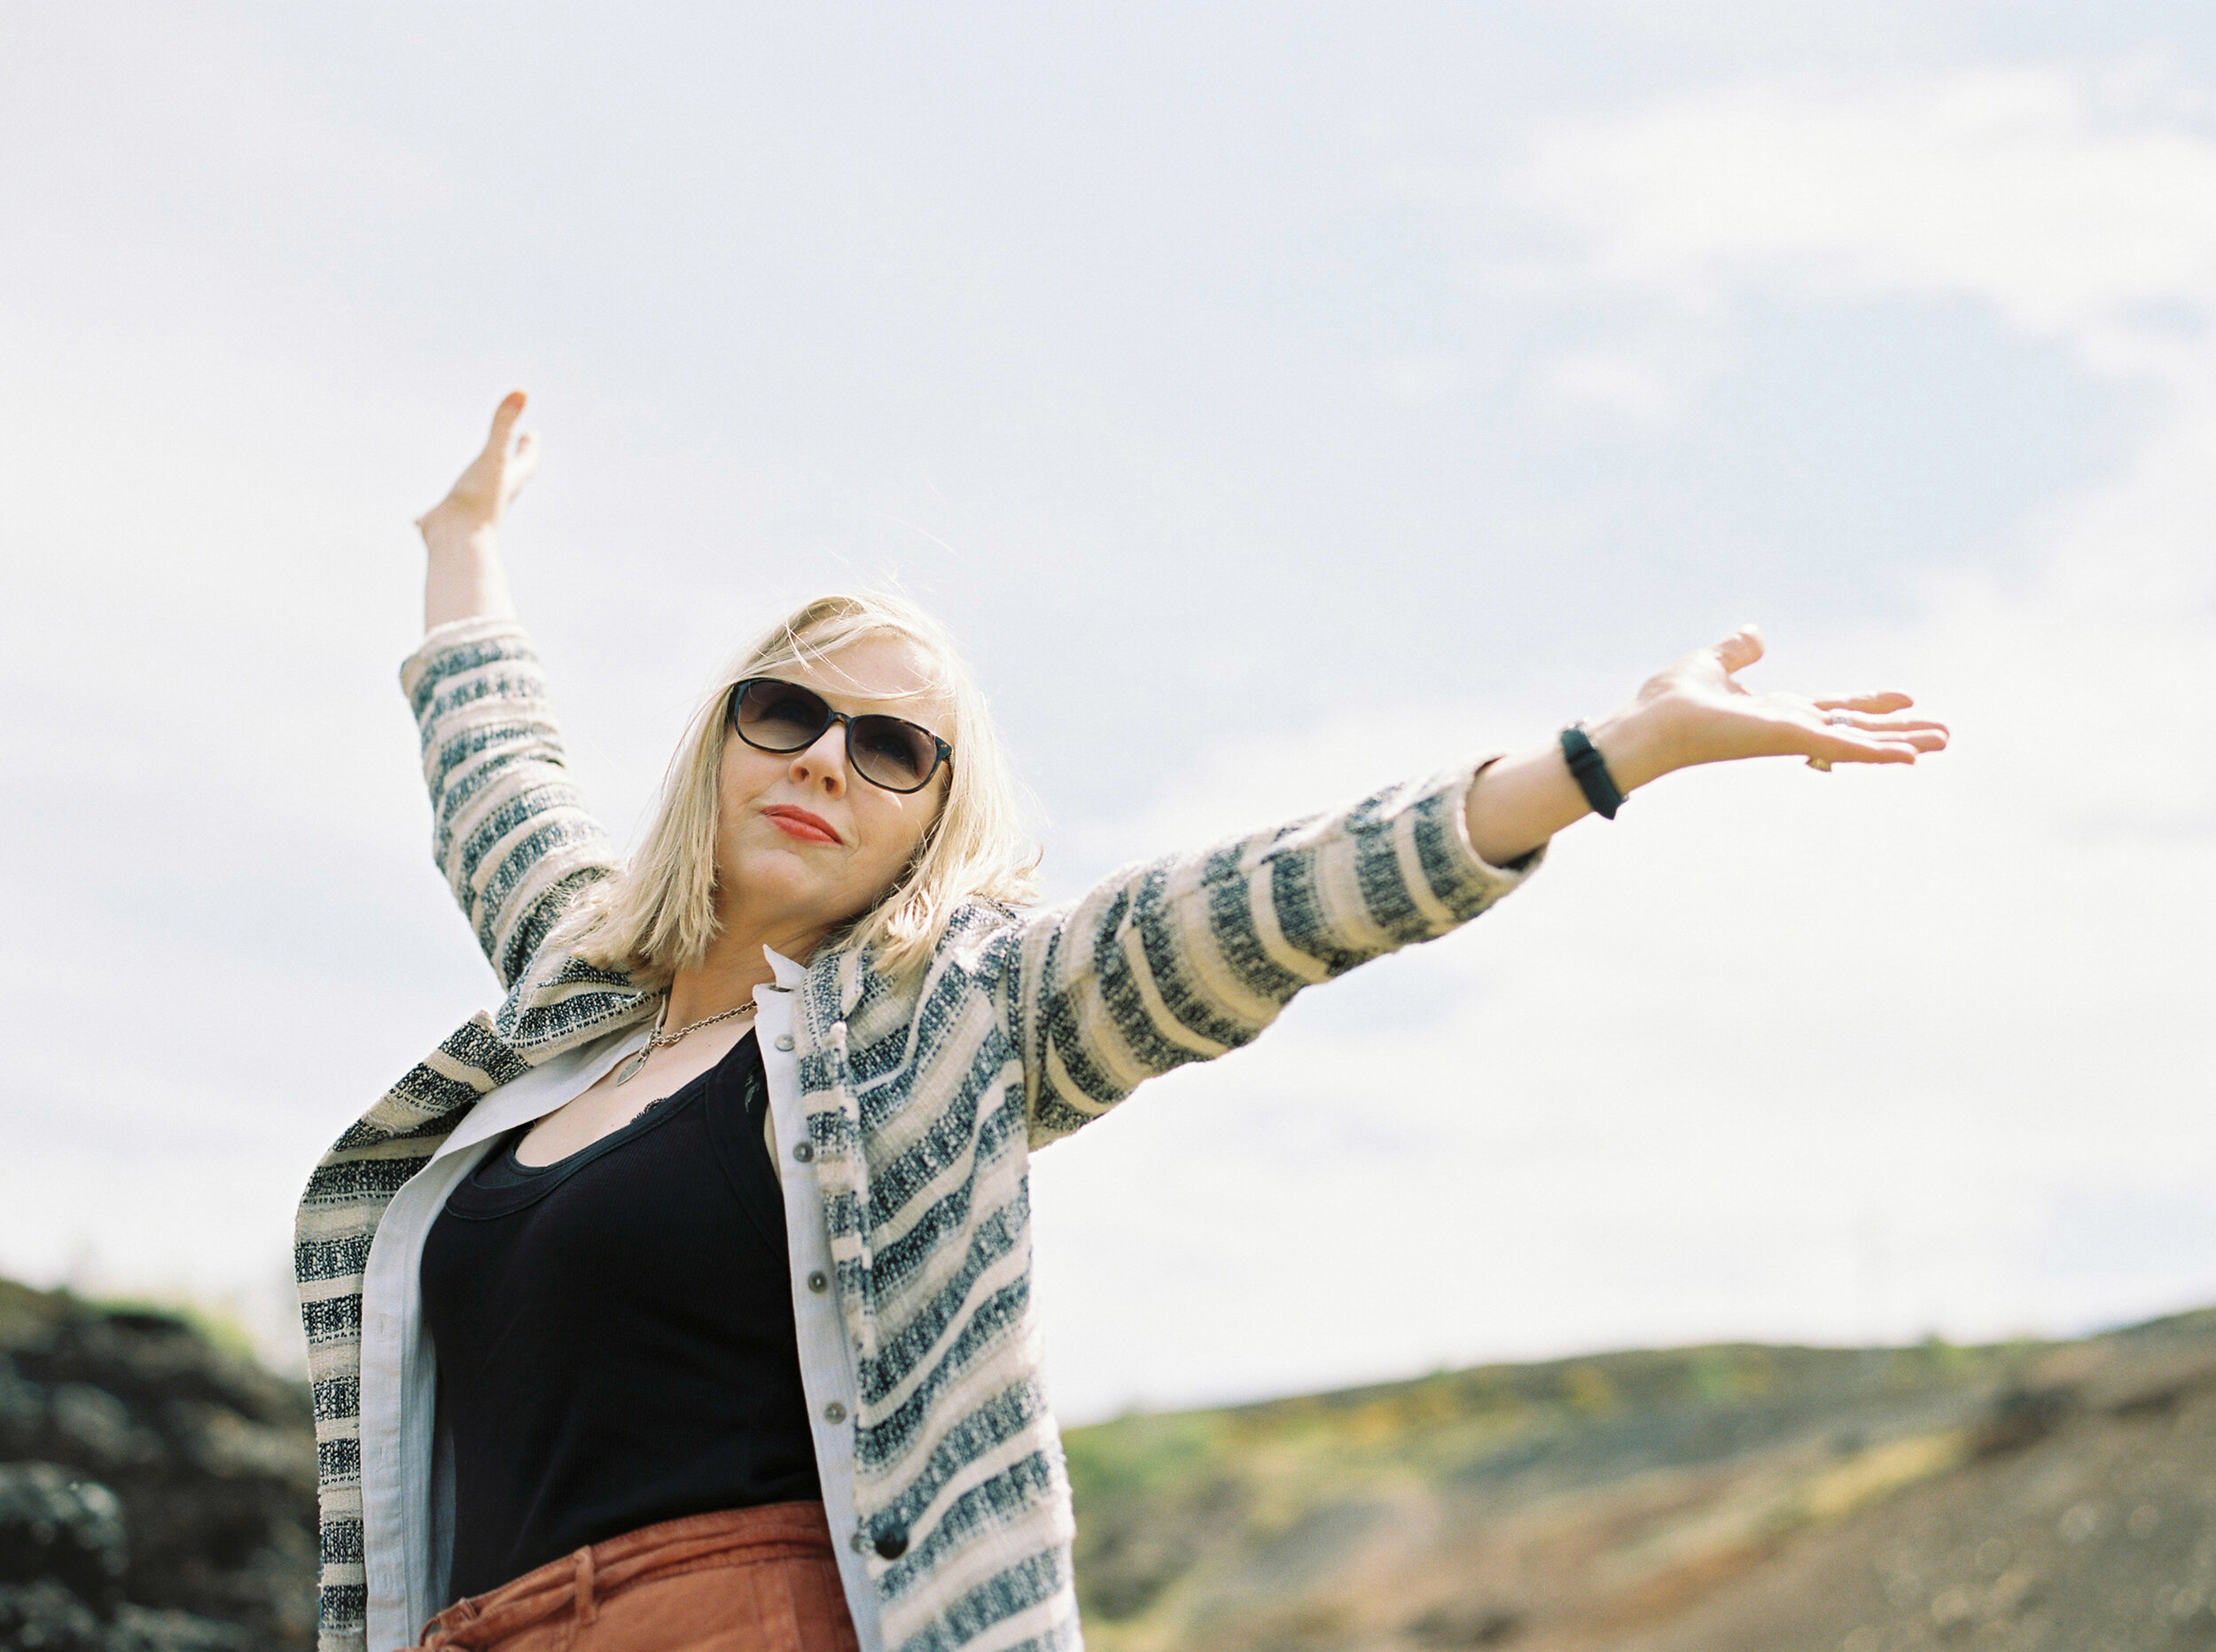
(1821, 763)
(1839, 714)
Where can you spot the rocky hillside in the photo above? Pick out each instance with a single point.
(1709, 1500)
(156, 1494)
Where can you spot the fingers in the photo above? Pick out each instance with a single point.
(1921, 732)
(1836, 743)
(1835, 751)
(521, 468)
(513, 464)
(504, 417)
(1740, 649)
(1888, 700)
(490, 479)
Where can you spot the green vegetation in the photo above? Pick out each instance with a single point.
(1203, 1528)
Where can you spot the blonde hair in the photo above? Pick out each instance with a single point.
(657, 915)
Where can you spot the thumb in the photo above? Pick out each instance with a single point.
(524, 465)
(1740, 649)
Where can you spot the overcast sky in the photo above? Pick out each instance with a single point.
(1276, 399)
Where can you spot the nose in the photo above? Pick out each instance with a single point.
(824, 763)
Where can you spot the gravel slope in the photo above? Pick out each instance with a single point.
(1726, 1500)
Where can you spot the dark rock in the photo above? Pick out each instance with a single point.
(138, 1629)
(1482, 1626)
(2157, 1401)
(2020, 1416)
(44, 1617)
(22, 1411)
(204, 1459)
(90, 1426)
(55, 1526)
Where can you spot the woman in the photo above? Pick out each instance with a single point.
(683, 1300)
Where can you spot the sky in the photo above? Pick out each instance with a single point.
(1275, 400)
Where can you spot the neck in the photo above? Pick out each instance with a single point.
(733, 967)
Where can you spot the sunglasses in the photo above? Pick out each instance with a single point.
(889, 752)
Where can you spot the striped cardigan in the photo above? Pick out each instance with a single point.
(923, 1101)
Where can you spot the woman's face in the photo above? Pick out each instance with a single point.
(803, 843)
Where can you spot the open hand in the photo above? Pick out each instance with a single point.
(1699, 712)
(481, 494)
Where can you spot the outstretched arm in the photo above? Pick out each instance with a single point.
(464, 579)
(508, 829)
(1695, 712)
(1193, 956)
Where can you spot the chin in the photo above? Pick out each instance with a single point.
(774, 878)
(776, 871)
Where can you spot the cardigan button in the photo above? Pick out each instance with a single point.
(819, 1282)
(834, 1414)
(892, 1543)
(784, 1040)
(804, 1152)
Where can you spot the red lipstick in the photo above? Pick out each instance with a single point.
(801, 824)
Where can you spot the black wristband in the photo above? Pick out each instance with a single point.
(1590, 773)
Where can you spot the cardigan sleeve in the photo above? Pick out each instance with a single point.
(1192, 956)
(509, 831)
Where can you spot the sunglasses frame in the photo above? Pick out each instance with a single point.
(942, 753)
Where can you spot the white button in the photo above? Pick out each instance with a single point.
(834, 1413)
(784, 1040)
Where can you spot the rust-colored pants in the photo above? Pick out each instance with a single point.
(745, 1580)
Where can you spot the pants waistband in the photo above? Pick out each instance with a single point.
(771, 1532)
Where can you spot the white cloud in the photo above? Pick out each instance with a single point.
(1611, 382)
(1774, 1054)
(2078, 217)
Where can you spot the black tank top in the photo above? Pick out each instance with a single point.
(614, 1333)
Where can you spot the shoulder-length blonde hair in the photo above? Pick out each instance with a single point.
(657, 915)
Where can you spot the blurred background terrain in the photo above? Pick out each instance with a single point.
(157, 1485)
(157, 1495)
(1729, 1499)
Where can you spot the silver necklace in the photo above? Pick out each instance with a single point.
(660, 1040)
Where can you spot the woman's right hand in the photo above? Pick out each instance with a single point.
(464, 580)
(481, 494)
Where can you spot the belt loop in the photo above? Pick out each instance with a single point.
(588, 1609)
(438, 1630)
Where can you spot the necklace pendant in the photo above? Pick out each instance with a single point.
(630, 1069)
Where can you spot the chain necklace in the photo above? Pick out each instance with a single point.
(660, 1040)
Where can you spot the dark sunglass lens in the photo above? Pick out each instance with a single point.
(779, 717)
(893, 754)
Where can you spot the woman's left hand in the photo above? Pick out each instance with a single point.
(1697, 711)
(1694, 712)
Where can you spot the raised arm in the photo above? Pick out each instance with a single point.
(1193, 956)
(509, 830)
